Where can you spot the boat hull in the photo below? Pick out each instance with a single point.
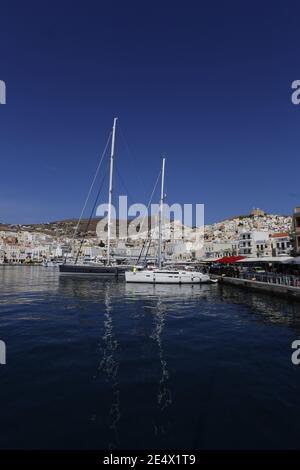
(166, 277)
(91, 270)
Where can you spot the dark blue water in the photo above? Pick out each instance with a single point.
(94, 364)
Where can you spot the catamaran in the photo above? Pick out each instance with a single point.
(159, 275)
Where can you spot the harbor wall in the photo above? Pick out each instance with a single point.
(273, 289)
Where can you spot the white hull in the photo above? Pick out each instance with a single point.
(167, 277)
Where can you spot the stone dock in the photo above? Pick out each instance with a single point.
(266, 287)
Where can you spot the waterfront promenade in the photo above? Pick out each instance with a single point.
(271, 283)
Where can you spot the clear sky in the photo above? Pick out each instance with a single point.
(206, 83)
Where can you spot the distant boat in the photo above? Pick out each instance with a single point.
(109, 269)
(160, 275)
(49, 264)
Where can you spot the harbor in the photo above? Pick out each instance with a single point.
(142, 333)
(123, 365)
(149, 234)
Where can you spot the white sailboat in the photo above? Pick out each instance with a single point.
(160, 275)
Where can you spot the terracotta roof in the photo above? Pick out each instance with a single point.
(279, 235)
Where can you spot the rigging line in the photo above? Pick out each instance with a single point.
(150, 200)
(130, 153)
(143, 247)
(91, 187)
(152, 194)
(123, 183)
(148, 248)
(90, 218)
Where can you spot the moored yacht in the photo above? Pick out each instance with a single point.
(162, 275)
(166, 276)
(110, 268)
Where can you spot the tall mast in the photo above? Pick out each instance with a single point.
(161, 205)
(111, 169)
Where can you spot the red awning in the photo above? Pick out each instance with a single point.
(229, 259)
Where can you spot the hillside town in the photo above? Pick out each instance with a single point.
(255, 235)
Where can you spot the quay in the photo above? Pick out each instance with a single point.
(283, 289)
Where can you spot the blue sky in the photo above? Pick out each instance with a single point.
(208, 84)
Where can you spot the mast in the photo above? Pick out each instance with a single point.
(161, 205)
(111, 169)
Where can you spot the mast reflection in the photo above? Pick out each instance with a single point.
(109, 365)
(164, 397)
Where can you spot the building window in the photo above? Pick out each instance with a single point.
(297, 221)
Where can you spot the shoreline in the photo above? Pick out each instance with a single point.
(288, 292)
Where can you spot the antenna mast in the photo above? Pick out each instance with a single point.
(161, 205)
(111, 169)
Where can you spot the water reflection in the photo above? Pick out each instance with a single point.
(272, 309)
(167, 291)
(109, 365)
(164, 398)
(192, 356)
(25, 284)
(158, 300)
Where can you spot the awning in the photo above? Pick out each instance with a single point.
(229, 259)
(269, 259)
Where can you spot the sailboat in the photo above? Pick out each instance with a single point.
(95, 269)
(160, 275)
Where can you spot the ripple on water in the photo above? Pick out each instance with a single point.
(104, 364)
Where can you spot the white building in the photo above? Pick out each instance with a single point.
(219, 249)
(281, 244)
(254, 244)
(296, 230)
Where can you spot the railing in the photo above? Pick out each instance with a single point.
(272, 278)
